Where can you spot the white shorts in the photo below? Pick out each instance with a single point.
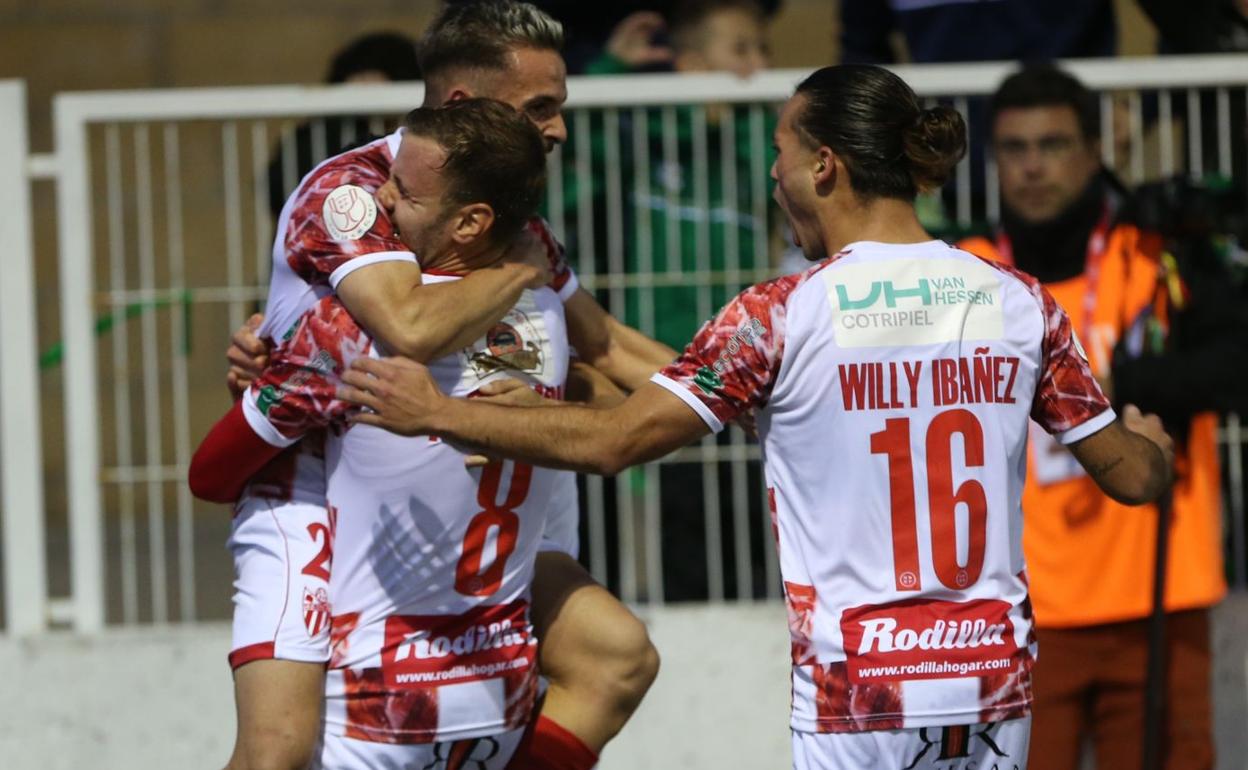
(282, 554)
(1002, 745)
(491, 752)
(562, 532)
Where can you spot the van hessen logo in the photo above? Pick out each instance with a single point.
(918, 639)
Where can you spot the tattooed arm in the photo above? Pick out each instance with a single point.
(1130, 459)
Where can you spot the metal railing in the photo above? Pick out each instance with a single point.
(163, 194)
(21, 466)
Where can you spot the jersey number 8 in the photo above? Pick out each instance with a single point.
(469, 577)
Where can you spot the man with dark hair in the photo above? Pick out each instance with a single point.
(1046, 92)
(502, 177)
(1091, 559)
(333, 237)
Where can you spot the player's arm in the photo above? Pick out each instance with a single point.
(427, 321)
(1130, 459)
(714, 381)
(626, 356)
(589, 387)
(291, 397)
(404, 399)
(378, 278)
(228, 457)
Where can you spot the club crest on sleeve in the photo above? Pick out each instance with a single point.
(707, 380)
(316, 612)
(349, 211)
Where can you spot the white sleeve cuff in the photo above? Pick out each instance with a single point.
(355, 263)
(261, 425)
(1086, 428)
(570, 287)
(695, 403)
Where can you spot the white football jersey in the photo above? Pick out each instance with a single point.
(431, 560)
(894, 384)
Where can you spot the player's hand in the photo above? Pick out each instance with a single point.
(586, 385)
(247, 356)
(509, 392)
(505, 392)
(397, 394)
(632, 41)
(1149, 426)
(528, 252)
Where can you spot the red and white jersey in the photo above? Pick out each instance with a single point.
(894, 384)
(330, 226)
(431, 560)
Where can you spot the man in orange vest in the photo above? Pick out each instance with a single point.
(1090, 560)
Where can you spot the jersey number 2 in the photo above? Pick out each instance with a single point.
(469, 578)
(942, 499)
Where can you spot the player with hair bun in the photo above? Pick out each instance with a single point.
(893, 380)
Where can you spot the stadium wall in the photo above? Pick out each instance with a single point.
(159, 698)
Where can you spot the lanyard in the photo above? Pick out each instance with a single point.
(1091, 266)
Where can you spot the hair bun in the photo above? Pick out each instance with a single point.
(933, 145)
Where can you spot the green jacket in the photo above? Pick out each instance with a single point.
(689, 241)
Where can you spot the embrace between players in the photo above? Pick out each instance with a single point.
(397, 597)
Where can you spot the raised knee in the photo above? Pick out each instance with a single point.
(632, 662)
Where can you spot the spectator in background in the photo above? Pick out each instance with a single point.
(381, 57)
(692, 239)
(1090, 560)
(955, 30)
(706, 36)
(689, 229)
(591, 27)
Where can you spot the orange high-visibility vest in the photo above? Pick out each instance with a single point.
(1090, 559)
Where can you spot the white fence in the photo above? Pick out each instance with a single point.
(164, 194)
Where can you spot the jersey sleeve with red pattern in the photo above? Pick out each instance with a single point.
(1068, 402)
(297, 393)
(334, 218)
(732, 362)
(564, 281)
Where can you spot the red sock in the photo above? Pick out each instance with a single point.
(547, 746)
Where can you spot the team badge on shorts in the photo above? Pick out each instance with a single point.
(349, 211)
(315, 611)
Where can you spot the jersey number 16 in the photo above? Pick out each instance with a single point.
(942, 499)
